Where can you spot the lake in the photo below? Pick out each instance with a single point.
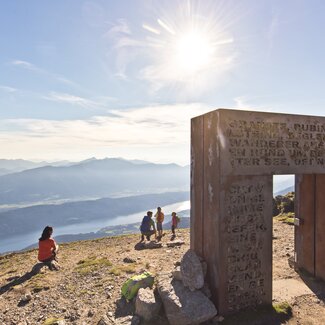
(20, 242)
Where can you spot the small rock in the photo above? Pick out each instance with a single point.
(90, 313)
(128, 260)
(127, 320)
(152, 245)
(109, 314)
(175, 243)
(104, 321)
(177, 274)
(26, 298)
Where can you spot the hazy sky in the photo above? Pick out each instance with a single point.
(123, 78)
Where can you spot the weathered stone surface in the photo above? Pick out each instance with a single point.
(204, 268)
(146, 304)
(192, 272)
(26, 297)
(175, 243)
(104, 321)
(272, 143)
(182, 306)
(127, 320)
(149, 245)
(206, 290)
(129, 260)
(177, 274)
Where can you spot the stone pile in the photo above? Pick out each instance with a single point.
(183, 293)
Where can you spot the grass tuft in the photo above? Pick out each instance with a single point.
(283, 308)
(287, 218)
(52, 321)
(91, 263)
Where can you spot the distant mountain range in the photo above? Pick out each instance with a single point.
(9, 166)
(91, 178)
(34, 218)
(285, 191)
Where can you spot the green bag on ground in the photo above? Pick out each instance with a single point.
(131, 286)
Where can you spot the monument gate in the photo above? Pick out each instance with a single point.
(234, 155)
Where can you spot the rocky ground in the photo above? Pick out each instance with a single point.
(87, 287)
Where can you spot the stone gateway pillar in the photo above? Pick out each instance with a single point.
(234, 155)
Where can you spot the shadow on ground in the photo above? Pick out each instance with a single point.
(317, 286)
(20, 280)
(262, 315)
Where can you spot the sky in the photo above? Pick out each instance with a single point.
(104, 78)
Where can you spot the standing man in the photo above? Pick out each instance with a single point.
(159, 220)
(147, 227)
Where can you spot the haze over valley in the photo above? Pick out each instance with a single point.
(77, 198)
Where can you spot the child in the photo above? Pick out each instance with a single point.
(175, 221)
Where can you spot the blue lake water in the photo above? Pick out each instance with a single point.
(19, 242)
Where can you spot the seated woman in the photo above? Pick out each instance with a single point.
(47, 248)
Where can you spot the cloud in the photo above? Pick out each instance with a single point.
(25, 65)
(31, 67)
(249, 103)
(71, 99)
(99, 102)
(152, 129)
(8, 89)
(120, 27)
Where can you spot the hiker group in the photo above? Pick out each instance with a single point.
(148, 227)
(48, 248)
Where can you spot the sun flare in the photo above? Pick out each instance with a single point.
(193, 51)
(190, 49)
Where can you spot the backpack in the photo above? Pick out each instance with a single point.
(131, 286)
(145, 225)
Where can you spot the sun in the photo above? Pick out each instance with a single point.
(190, 49)
(193, 51)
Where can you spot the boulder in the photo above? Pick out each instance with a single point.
(146, 304)
(192, 271)
(183, 306)
(206, 290)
